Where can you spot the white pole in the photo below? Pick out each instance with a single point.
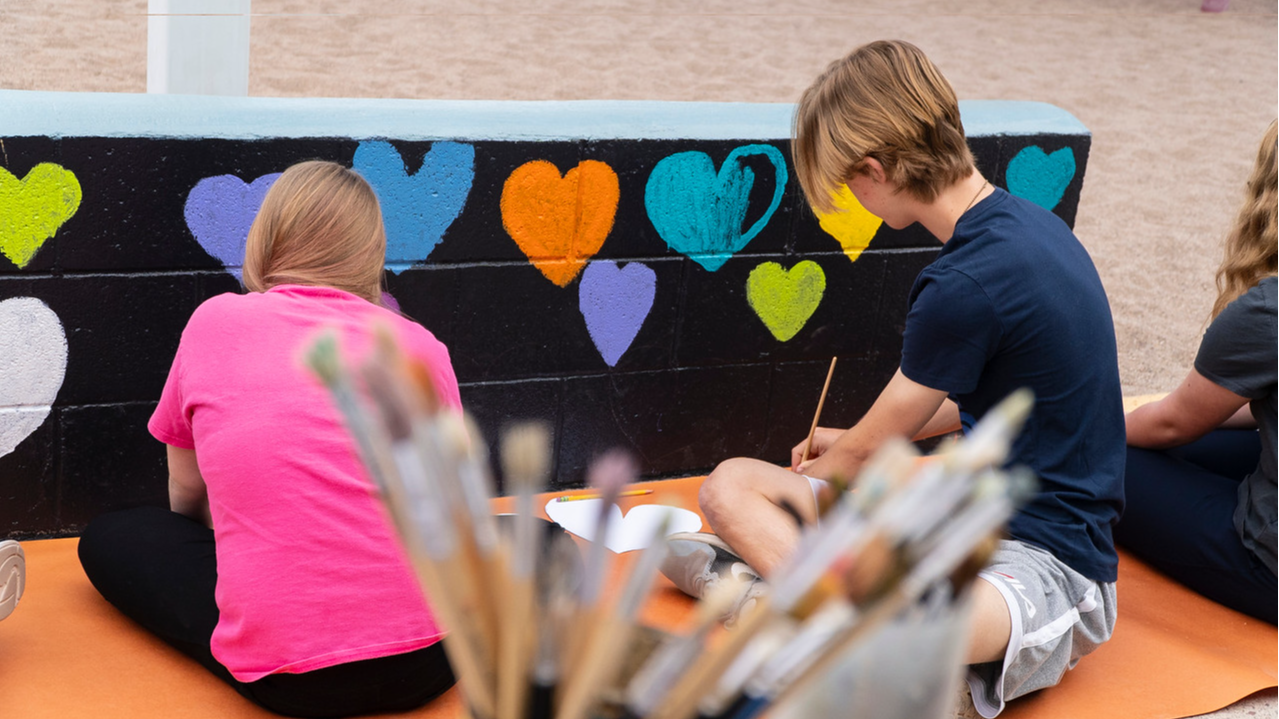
(198, 47)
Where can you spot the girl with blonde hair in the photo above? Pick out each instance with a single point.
(276, 567)
(1200, 480)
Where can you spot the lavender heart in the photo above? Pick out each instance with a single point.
(219, 211)
(614, 302)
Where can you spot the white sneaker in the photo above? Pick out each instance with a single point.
(697, 561)
(13, 575)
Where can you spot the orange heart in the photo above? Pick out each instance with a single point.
(560, 222)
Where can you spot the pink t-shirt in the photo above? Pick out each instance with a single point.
(310, 570)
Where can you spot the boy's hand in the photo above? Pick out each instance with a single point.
(823, 439)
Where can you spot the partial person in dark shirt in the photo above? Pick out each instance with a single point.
(1013, 300)
(1201, 461)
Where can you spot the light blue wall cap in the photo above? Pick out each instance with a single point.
(72, 114)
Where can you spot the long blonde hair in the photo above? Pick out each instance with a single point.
(320, 224)
(884, 100)
(1251, 245)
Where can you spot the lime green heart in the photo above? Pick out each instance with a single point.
(785, 299)
(33, 208)
(850, 223)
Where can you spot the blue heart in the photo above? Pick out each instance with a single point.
(1041, 178)
(418, 208)
(700, 213)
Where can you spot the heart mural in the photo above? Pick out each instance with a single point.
(219, 212)
(560, 222)
(700, 213)
(785, 299)
(417, 209)
(33, 362)
(33, 208)
(614, 301)
(634, 530)
(1039, 177)
(851, 224)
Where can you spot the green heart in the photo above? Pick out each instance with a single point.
(33, 208)
(785, 299)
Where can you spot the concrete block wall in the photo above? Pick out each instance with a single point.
(643, 275)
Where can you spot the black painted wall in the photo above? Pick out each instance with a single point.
(703, 380)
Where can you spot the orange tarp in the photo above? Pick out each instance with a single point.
(66, 653)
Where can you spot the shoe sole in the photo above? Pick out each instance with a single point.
(13, 575)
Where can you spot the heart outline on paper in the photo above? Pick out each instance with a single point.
(626, 532)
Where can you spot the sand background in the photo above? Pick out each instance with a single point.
(1176, 99)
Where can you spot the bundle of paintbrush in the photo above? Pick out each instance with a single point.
(533, 634)
(911, 529)
(530, 633)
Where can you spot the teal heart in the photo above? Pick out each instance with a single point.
(1039, 177)
(700, 213)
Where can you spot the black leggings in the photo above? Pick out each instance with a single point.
(1179, 518)
(159, 569)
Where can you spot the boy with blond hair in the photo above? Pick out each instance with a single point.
(1012, 300)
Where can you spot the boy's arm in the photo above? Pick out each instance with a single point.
(187, 493)
(903, 409)
(1194, 409)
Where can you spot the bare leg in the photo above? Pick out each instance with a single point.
(742, 499)
(992, 625)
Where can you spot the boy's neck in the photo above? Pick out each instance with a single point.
(942, 214)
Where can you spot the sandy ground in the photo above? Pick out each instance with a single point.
(1176, 99)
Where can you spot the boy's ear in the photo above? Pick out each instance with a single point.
(875, 169)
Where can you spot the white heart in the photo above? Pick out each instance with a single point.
(33, 362)
(636, 530)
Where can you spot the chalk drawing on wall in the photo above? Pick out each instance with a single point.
(850, 223)
(785, 299)
(33, 362)
(615, 301)
(560, 222)
(219, 211)
(417, 209)
(33, 208)
(701, 213)
(1040, 177)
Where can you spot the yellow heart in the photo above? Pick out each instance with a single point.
(851, 224)
(33, 208)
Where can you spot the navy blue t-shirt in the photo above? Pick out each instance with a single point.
(1012, 301)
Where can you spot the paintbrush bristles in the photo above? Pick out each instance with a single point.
(526, 453)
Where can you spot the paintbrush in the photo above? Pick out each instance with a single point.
(557, 572)
(673, 658)
(613, 632)
(526, 461)
(416, 498)
(607, 475)
(808, 445)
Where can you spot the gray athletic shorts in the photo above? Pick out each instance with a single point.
(1058, 616)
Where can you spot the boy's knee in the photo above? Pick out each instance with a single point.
(726, 486)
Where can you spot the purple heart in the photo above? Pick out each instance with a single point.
(614, 302)
(220, 210)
